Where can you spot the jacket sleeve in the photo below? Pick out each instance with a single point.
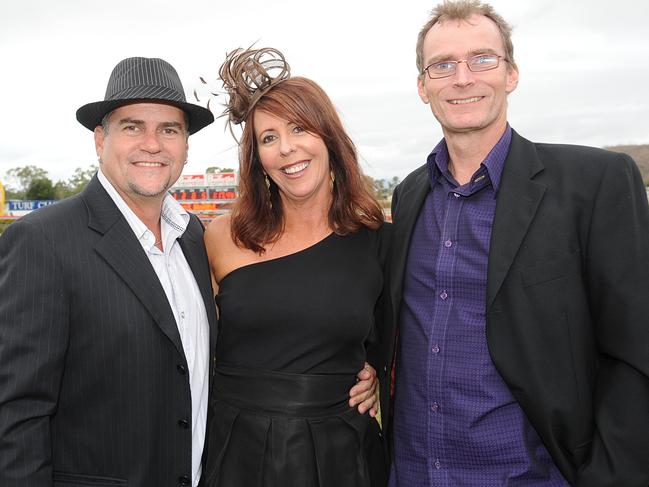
(33, 340)
(395, 198)
(617, 270)
(381, 240)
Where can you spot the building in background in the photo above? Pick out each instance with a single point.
(206, 195)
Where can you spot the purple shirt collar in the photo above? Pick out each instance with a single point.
(493, 164)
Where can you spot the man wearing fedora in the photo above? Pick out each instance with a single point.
(107, 317)
(107, 321)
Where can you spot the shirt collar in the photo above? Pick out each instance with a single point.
(174, 218)
(494, 163)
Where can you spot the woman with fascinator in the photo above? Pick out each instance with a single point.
(297, 265)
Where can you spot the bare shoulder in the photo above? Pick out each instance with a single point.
(217, 231)
(223, 253)
(219, 244)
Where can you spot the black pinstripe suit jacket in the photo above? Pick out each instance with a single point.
(94, 385)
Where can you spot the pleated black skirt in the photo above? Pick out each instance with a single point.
(276, 429)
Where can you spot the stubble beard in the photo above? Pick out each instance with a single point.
(138, 190)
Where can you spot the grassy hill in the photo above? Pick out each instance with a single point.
(640, 154)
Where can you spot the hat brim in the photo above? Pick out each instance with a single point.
(90, 115)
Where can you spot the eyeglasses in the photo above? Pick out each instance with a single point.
(476, 64)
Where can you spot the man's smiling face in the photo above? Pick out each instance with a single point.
(467, 101)
(143, 151)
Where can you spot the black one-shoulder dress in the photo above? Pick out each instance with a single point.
(292, 336)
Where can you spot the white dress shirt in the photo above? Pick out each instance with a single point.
(185, 299)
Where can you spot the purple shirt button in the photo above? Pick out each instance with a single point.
(435, 407)
(448, 243)
(437, 464)
(444, 295)
(435, 349)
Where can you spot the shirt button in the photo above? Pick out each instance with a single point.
(437, 464)
(435, 349)
(448, 243)
(182, 315)
(444, 295)
(435, 407)
(181, 369)
(183, 423)
(184, 480)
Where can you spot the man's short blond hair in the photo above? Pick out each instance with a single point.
(463, 10)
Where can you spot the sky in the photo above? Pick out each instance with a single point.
(584, 71)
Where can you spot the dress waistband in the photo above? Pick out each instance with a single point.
(283, 393)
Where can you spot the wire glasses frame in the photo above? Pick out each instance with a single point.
(476, 64)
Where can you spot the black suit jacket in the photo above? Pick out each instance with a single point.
(567, 303)
(94, 385)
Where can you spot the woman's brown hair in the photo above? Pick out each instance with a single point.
(257, 216)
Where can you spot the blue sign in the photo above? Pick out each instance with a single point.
(28, 205)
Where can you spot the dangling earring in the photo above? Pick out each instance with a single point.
(332, 176)
(267, 181)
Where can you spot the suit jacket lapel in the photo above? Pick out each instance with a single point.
(121, 250)
(518, 199)
(405, 217)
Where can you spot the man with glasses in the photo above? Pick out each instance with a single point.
(518, 289)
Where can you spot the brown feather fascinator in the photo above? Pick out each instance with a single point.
(248, 74)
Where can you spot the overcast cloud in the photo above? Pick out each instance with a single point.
(583, 70)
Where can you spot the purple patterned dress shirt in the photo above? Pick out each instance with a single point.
(456, 423)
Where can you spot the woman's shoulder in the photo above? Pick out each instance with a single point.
(219, 226)
(219, 243)
(223, 252)
(218, 232)
(379, 239)
(382, 234)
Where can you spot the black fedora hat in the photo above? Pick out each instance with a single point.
(144, 79)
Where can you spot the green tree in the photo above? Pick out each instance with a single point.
(383, 188)
(379, 188)
(13, 194)
(392, 183)
(32, 182)
(40, 189)
(81, 178)
(74, 183)
(26, 174)
(22, 178)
